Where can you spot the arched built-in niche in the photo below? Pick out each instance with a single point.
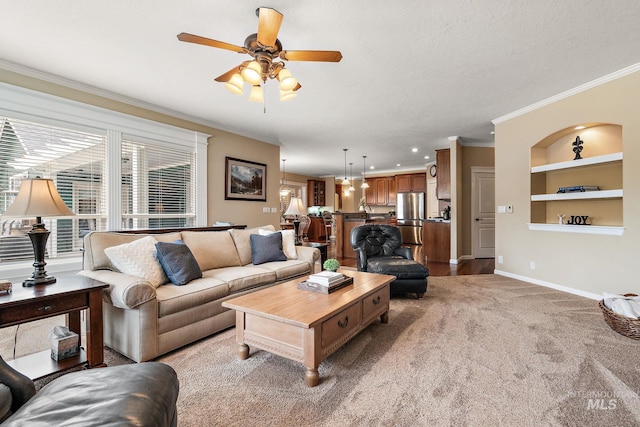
(553, 168)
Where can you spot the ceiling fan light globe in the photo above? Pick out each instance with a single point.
(252, 73)
(286, 95)
(235, 84)
(287, 81)
(256, 94)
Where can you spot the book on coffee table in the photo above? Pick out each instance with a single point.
(326, 277)
(316, 287)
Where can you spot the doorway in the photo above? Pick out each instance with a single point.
(483, 212)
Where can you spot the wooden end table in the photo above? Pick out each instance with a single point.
(307, 326)
(69, 295)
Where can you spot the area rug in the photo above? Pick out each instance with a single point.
(475, 351)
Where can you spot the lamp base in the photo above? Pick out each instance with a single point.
(35, 281)
(296, 228)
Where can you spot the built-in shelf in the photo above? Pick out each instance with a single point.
(601, 167)
(596, 160)
(577, 195)
(581, 229)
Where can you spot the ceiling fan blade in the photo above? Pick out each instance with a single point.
(227, 76)
(311, 55)
(190, 38)
(269, 21)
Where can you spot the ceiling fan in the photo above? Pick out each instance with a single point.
(266, 49)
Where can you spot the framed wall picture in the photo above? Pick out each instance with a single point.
(245, 180)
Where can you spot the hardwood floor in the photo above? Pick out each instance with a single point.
(473, 266)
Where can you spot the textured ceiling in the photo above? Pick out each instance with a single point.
(413, 72)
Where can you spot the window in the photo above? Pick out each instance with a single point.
(157, 187)
(113, 170)
(74, 160)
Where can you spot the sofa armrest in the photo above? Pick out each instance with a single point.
(361, 258)
(309, 254)
(125, 291)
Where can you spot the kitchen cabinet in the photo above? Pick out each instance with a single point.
(443, 188)
(416, 182)
(381, 191)
(391, 191)
(315, 193)
(437, 241)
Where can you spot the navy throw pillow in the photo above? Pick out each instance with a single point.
(266, 248)
(178, 262)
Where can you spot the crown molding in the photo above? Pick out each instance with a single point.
(93, 90)
(566, 94)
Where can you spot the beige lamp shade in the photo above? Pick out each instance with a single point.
(235, 84)
(38, 197)
(252, 73)
(296, 207)
(256, 94)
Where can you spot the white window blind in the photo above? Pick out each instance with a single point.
(75, 160)
(158, 186)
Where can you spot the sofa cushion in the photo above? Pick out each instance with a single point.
(138, 258)
(241, 278)
(178, 262)
(288, 241)
(287, 269)
(173, 299)
(266, 248)
(243, 242)
(212, 249)
(96, 242)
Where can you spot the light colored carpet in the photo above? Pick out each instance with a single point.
(477, 350)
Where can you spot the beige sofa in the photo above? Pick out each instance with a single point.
(142, 321)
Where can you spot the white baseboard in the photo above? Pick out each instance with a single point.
(557, 287)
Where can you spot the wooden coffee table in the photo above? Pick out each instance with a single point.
(309, 326)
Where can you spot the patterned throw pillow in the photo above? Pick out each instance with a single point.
(138, 258)
(266, 248)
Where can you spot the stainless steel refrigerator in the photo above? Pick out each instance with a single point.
(410, 214)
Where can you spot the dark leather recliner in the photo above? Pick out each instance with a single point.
(142, 394)
(378, 249)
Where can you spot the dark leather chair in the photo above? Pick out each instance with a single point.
(378, 249)
(142, 394)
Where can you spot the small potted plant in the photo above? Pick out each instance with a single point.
(331, 264)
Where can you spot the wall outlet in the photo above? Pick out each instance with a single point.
(532, 265)
(500, 259)
(509, 208)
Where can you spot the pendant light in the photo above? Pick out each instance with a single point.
(284, 191)
(345, 181)
(364, 185)
(351, 176)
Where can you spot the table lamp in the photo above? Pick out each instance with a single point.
(296, 208)
(38, 197)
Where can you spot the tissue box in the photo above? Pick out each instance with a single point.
(63, 347)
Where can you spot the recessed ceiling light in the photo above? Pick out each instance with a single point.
(426, 157)
(398, 164)
(414, 150)
(372, 167)
(579, 127)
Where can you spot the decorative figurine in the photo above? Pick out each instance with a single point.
(577, 148)
(560, 218)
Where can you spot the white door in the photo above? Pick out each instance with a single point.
(483, 212)
(432, 200)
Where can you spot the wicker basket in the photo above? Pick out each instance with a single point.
(621, 324)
